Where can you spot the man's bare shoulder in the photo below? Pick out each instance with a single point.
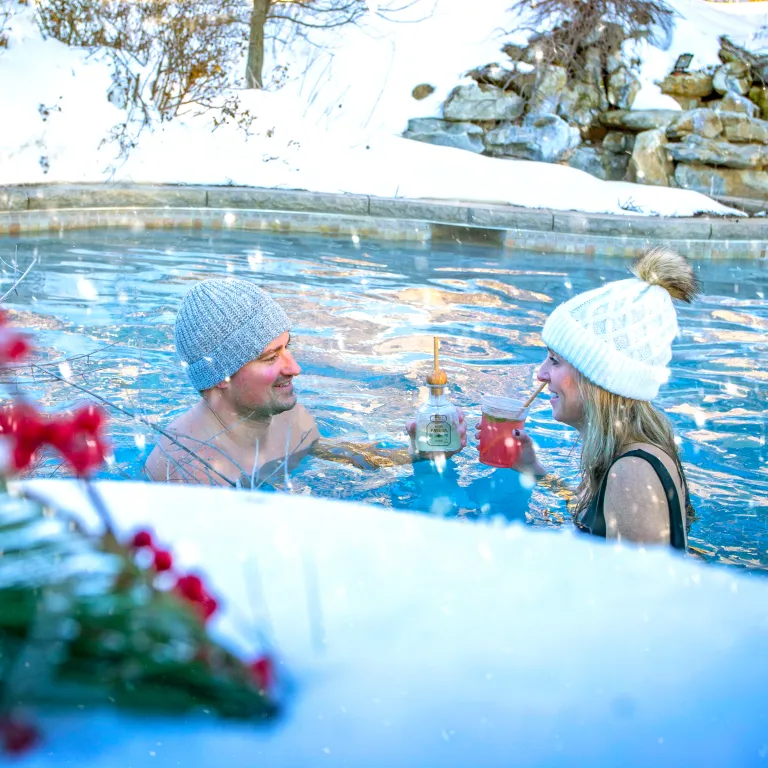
(175, 455)
(301, 423)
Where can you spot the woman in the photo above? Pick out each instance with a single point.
(608, 351)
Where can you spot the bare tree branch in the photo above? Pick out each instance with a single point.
(143, 420)
(16, 284)
(563, 30)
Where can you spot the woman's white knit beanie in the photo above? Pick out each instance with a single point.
(222, 325)
(619, 336)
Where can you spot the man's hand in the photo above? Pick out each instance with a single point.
(431, 455)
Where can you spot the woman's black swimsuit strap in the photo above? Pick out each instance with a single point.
(593, 520)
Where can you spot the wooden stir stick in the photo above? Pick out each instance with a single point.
(535, 394)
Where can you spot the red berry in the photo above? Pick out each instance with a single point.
(18, 735)
(191, 587)
(142, 539)
(90, 418)
(13, 346)
(16, 349)
(163, 560)
(263, 672)
(209, 606)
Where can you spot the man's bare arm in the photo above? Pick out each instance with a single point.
(362, 455)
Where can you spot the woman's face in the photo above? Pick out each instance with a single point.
(565, 397)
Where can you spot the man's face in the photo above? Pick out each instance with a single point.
(264, 387)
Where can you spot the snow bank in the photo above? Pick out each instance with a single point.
(414, 641)
(334, 126)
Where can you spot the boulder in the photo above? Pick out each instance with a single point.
(697, 149)
(608, 166)
(524, 80)
(422, 90)
(759, 95)
(471, 102)
(727, 182)
(623, 86)
(593, 75)
(580, 105)
(741, 128)
(611, 38)
(518, 52)
(733, 77)
(639, 119)
(760, 70)
(541, 137)
(493, 74)
(432, 130)
(619, 142)
(548, 91)
(586, 159)
(650, 162)
(730, 52)
(694, 85)
(687, 103)
(614, 61)
(704, 122)
(733, 102)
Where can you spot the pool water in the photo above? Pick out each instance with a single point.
(102, 304)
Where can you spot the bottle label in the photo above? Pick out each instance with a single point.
(438, 431)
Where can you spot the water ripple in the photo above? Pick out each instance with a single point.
(364, 316)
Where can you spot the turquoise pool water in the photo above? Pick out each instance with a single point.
(101, 305)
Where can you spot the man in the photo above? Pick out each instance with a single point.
(233, 339)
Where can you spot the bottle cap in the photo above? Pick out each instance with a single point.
(438, 378)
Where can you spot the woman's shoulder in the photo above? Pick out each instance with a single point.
(631, 475)
(636, 506)
(670, 463)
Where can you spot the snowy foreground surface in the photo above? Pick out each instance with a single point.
(334, 126)
(435, 643)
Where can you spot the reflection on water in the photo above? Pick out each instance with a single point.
(364, 316)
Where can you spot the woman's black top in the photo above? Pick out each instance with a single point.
(593, 520)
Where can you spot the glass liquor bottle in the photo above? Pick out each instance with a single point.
(437, 420)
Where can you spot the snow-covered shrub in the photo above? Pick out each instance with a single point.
(565, 29)
(8, 9)
(166, 57)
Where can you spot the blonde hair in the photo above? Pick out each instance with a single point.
(612, 421)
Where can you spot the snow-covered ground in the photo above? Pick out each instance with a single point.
(334, 126)
(416, 641)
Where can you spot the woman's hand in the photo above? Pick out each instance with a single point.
(411, 430)
(527, 462)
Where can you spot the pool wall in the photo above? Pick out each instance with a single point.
(55, 208)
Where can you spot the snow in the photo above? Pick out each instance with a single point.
(334, 126)
(432, 642)
(698, 26)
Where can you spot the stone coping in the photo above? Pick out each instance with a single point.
(30, 209)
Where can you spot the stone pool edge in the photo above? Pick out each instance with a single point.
(26, 210)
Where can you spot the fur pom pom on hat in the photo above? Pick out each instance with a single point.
(620, 335)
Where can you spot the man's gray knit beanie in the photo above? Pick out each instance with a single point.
(222, 325)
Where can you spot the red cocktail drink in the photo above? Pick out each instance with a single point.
(501, 417)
